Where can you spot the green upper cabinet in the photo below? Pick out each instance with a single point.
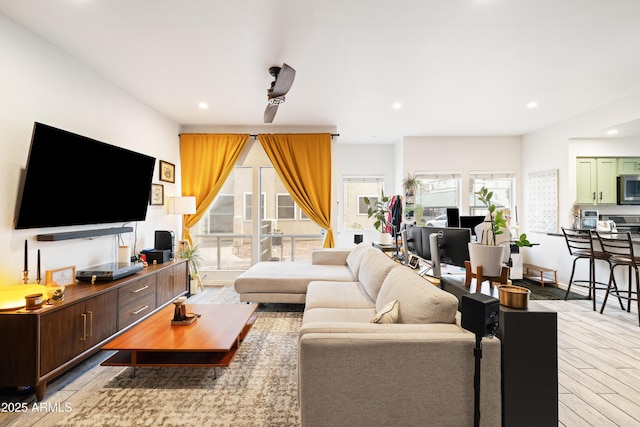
(629, 166)
(596, 180)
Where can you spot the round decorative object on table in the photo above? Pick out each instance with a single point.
(514, 296)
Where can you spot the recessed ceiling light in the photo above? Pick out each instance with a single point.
(396, 105)
(612, 131)
(203, 105)
(532, 105)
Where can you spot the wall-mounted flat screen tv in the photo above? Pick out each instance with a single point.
(74, 180)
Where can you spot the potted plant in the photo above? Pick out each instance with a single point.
(410, 184)
(378, 210)
(489, 252)
(194, 259)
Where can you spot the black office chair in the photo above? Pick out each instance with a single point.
(619, 249)
(580, 244)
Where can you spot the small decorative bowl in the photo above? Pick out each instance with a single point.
(514, 296)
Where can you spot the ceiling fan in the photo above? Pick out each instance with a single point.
(283, 79)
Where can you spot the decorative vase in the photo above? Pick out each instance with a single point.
(385, 238)
(489, 257)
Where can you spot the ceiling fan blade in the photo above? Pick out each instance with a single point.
(270, 112)
(283, 81)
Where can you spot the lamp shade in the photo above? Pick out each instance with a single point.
(182, 205)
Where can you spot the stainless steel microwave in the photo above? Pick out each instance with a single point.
(629, 189)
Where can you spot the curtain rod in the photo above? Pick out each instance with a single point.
(256, 135)
(252, 135)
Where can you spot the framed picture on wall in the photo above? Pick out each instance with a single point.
(167, 171)
(157, 195)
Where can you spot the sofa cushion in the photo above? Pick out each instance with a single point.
(337, 295)
(388, 314)
(373, 270)
(355, 257)
(338, 315)
(420, 301)
(288, 277)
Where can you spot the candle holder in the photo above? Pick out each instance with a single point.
(25, 276)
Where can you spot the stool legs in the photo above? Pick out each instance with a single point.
(630, 292)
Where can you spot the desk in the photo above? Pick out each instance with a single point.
(529, 340)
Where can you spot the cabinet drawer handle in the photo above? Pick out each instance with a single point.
(140, 311)
(601, 196)
(84, 327)
(90, 323)
(140, 290)
(594, 195)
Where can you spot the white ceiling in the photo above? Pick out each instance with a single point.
(459, 67)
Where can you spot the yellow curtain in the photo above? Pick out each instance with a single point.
(303, 162)
(206, 162)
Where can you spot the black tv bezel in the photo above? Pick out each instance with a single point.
(32, 197)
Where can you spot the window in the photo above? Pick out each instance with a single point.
(354, 209)
(221, 214)
(303, 216)
(285, 207)
(502, 185)
(436, 193)
(248, 206)
(363, 208)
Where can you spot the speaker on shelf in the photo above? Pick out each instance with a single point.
(165, 240)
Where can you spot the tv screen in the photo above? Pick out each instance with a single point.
(75, 180)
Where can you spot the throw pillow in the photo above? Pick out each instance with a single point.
(388, 314)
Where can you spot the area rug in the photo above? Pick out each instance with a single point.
(258, 389)
(548, 292)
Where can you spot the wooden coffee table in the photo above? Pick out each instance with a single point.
(211, 341)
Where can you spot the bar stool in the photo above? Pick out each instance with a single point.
(580, 244)
(619, 248)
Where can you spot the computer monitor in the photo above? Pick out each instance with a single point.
(471, 221)
(453, 217)
(454, 246)
(414, 239)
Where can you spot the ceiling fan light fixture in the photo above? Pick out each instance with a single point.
(276, 101)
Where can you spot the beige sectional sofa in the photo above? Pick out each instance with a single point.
(416, 369)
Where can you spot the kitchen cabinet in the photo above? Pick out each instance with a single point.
(629, 166)
(46, 342)
(596, 180)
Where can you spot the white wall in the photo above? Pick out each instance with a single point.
(355, 160)
(464, 154)
(41, 83)
(556, 147)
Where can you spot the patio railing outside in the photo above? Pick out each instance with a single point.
(227, 251)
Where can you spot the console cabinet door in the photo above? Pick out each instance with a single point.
(62, 336)
(67, 332)
(101, 314)
(172, 282)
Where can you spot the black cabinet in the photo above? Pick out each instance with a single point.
(529, 341)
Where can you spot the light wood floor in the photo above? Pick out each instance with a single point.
(599, 366)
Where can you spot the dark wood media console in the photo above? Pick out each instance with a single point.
(40, 345)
